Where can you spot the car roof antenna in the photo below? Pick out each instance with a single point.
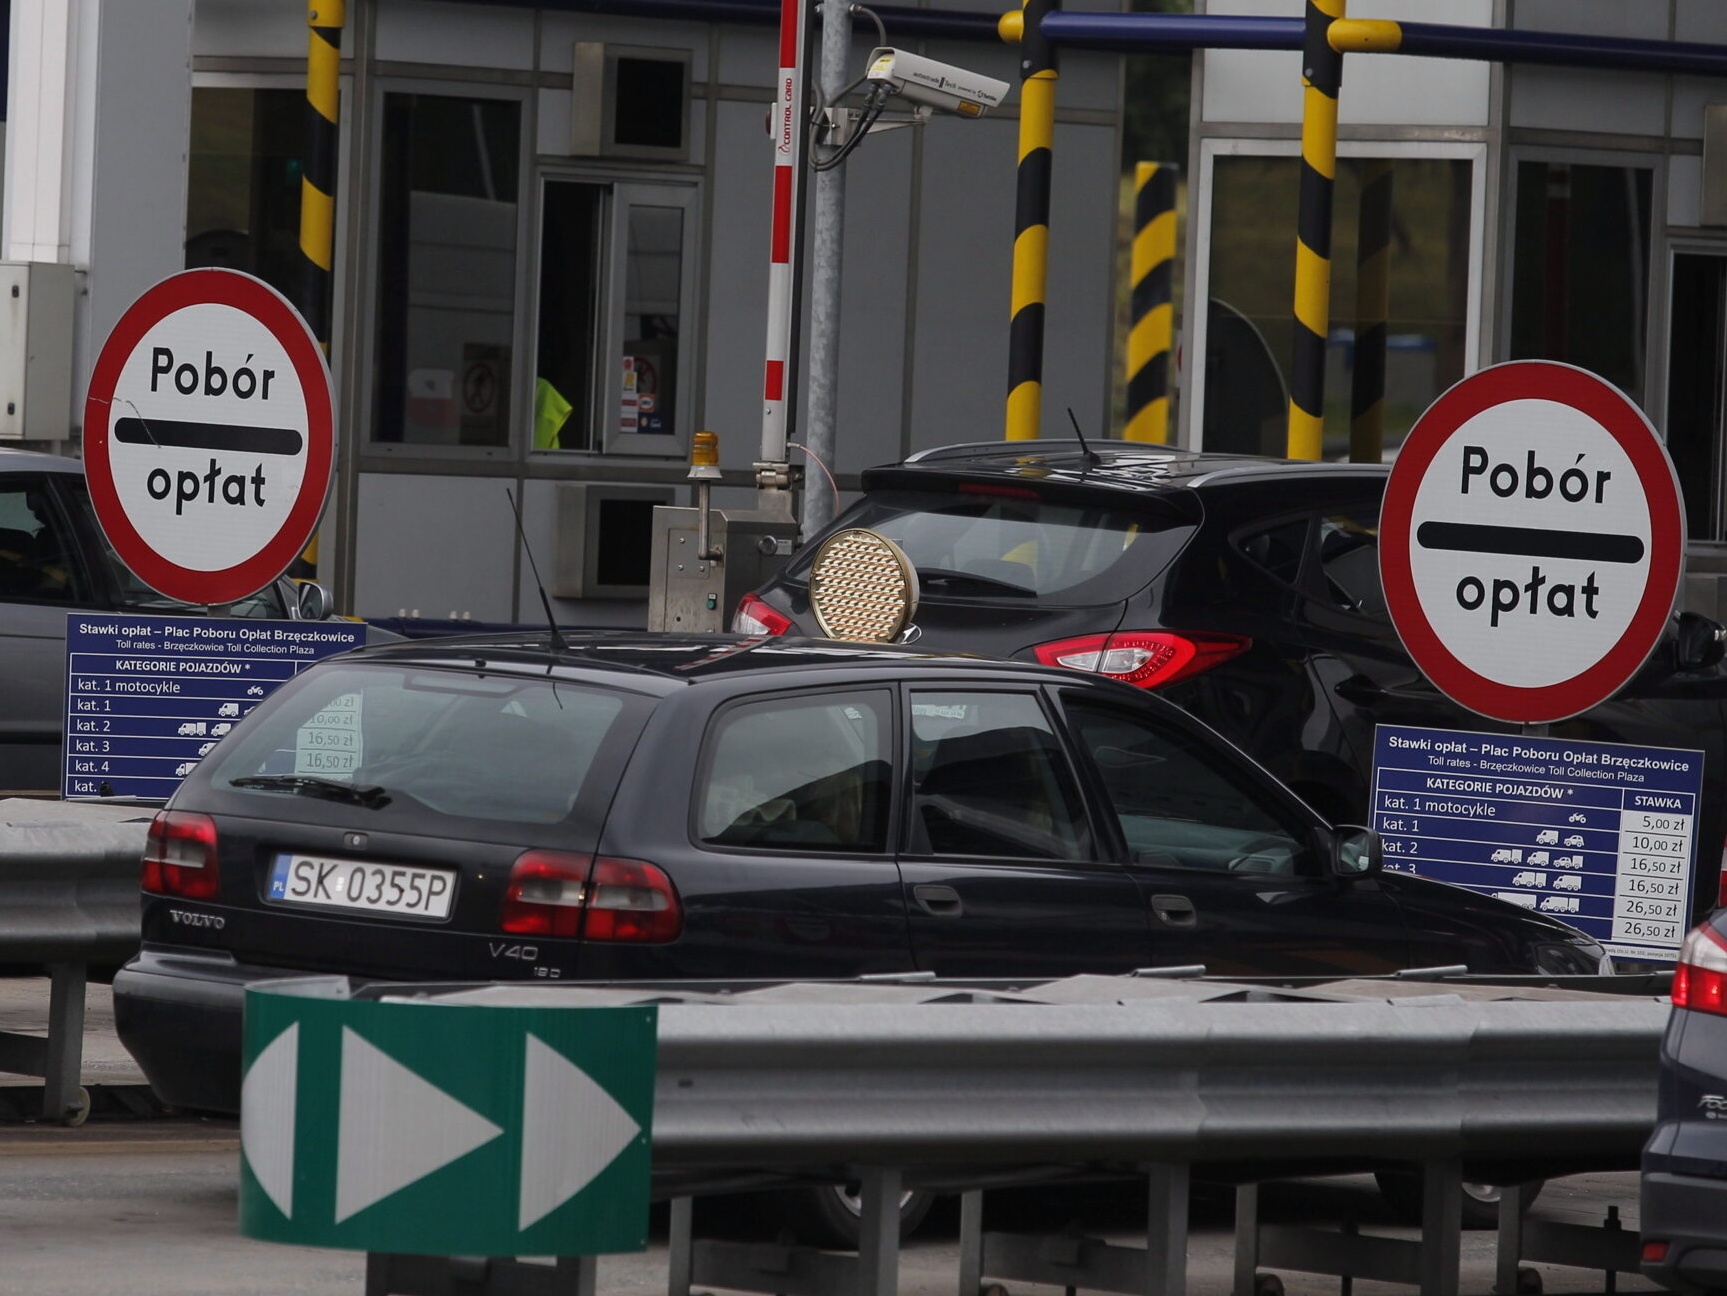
(1092, 458)
(559, 643)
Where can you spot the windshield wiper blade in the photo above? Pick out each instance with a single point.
(946, 576)
(310, 785)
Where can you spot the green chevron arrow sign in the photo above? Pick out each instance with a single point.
(445, 1129)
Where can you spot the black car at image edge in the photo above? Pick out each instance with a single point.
(639, 807)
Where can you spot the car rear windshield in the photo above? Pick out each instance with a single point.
(989, 546)
(462, 744)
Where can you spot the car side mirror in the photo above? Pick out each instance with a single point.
(1698, 642)
(1356, 853)
(314, 601)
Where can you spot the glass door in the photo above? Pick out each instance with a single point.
(1696, 375)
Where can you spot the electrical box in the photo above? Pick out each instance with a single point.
(699, 595)
(605, 535)
(629, 101)
(36, 350)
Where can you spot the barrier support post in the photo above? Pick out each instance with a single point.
(1322, 75)
(878, 1241)
(971, 1243)
(679, 1253)
(1166, 1230)
(1441, 1227)
(1246, 1240)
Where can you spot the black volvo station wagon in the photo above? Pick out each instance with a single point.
(640, 807)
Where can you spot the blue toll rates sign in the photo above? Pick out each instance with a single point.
(1599, 835)
(148, 697)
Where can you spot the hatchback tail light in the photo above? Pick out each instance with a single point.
(180, 856)
(755, 617)
(1147, 659)
(554, 894)
(1700, 980)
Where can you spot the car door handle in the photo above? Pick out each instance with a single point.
(1174, 910)
(1360, 690)
(937, 901)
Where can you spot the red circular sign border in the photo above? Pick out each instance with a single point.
(254, 297)
(1600, 400)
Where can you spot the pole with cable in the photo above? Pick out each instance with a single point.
(826, 260)
(1322, 75)
(1037, 74)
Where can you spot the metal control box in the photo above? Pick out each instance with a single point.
(36, 300)
(693, 594)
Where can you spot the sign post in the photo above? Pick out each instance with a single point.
(1532, 541)
(209, 436)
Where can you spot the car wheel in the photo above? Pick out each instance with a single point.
(1402, 1191)
(831, 1215)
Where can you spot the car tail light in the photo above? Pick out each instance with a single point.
(1700, 980)
(755, 617)
(1147, 659)
(180, 856)
(1655, 1250)
(545, 894)
(632, 901)
(554, 894)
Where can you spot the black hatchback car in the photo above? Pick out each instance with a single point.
(644, 807)
(1245, 590)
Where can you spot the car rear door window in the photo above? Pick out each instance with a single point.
(1349, 563)
(798, 773)
(1278, 549)
(1175, 807)
(990, 779)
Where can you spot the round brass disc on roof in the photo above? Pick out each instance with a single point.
(862, 587)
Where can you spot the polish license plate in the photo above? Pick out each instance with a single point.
(367, 885)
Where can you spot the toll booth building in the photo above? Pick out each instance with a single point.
(551, 255)
(1535, 211)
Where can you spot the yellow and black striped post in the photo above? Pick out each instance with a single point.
(324, 20)
(1372, 305)
(1152, 331)
(1322, 74)
(1037, 74)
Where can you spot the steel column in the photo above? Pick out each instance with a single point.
(1322, 75)
(1038, 73)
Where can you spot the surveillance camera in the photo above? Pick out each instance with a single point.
(936, 85)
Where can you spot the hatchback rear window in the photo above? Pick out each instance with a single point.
(1000, 547)
(457, 743)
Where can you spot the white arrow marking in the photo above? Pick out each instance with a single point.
(571, 1130)
(394, 1127)
(267, 1117)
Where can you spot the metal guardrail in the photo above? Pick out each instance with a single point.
(963, 1088)
(68, 899)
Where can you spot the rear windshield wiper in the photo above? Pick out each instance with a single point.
(371, 797)
(982, 584)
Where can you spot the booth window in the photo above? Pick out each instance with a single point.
(1249, 333)
(1580, 274)
(614, 283)
(243, 183)
(448, 201)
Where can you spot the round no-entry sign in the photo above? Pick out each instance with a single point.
(208, 436)
(1531, 541)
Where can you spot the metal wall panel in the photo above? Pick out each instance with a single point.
(250, 28)
(1704, 21)
(1385, 90)
(965, 259)
(1581, 99)
(459, 35)
(440, 544)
